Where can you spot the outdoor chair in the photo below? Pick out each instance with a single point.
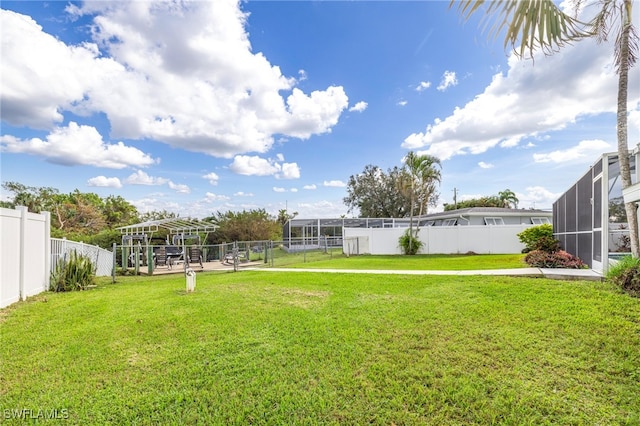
(230, 257)
(175, 255)
(160, 256)
(195, 255)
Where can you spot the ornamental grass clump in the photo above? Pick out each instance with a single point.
(409, 242)
(75, 273)
(626, 275)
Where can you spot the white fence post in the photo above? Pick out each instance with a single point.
(23, 248)
(47, 250)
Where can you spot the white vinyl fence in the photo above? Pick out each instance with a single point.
(28, 254)
(24, 254)
(480, 239)
(102, 259)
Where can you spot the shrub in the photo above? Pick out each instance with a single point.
(557, 259)
(74, 273)
(626, 275)
(409, 244)
(530, 236)
(546, 244)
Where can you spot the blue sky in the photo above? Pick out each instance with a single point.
(198, 107)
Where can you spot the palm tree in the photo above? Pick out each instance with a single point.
(508, 198)
(420, 177)
(541, 24)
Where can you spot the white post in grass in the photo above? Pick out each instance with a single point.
(191, 280)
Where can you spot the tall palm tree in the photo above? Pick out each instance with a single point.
(422, 172)
(540, 24)
(508, 198)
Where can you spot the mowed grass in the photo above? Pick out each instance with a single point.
(434, 262)
(310, 348)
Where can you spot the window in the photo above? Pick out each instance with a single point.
(493, 221)
(539, 220)
(449, 222)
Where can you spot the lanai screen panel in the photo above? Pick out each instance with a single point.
(573, 219)
(585, 216)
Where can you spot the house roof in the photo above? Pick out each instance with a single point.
(485, 211)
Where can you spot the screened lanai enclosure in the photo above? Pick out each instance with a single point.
(305, 234)
(589, 219)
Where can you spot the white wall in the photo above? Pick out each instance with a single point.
(24, 254)
(481, 239)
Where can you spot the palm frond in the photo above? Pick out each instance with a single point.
(529, 24)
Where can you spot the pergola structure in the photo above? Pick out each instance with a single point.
(180, 229)
(175, 226)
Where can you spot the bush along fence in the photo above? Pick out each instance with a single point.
(102, 260)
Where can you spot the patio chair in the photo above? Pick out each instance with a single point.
(160, 256)
(195, 255)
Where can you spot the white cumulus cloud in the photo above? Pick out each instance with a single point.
(211, 197)
(484, 165)
(212, 178)
(448, 79)
(334, 183)
(178, 187)
(142, 178)
(529, 100)
(182, 73)
(584, 149)
(424, 85)
(78, 145)
(103, 181)
(253, 166)
(359, 107)
(257, 166)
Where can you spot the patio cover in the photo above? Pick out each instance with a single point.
(175, 226)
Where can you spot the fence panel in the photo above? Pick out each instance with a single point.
(24, 254)
(482, 239)
(102, 259)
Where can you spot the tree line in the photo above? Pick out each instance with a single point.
(87, 217)
(505, 199)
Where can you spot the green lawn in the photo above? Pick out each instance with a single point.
(311, 348)
(439, 262)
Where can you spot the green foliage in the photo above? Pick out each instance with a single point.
(530, 237)
(626, 275)
(284, 216)
(409, 242)
(505, 199)
(74, 273)
(557, 259)
(546, 244)
(375, 193)
(418, 179)
(252, 225)
(75, 215)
